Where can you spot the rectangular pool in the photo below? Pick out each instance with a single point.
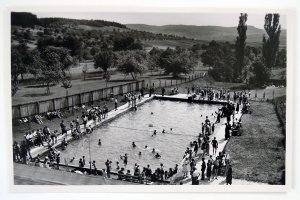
(137, 126)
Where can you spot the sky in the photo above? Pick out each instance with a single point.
(200, 19)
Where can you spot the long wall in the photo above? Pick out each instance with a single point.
(40, 107)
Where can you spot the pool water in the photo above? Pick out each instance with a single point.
(138, 126)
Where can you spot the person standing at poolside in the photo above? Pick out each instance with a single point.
(195, 175)
(125, 159)
(203, 167)
(185, 168)
(208, 170)
(196, 148)
(214, 143)
(81, 165)
(150, 91)
(229, 176)
(215, 168)
(163, 91)
(142, 92)
(116, 103)
(63, 127)
(58, 160)
(237, 107)
(108, 167)
(83, 160)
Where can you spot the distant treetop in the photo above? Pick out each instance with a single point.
(55, 21)
(26, 19)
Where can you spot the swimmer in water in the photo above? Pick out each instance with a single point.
(157, 155)
(151, 113)
(99, 142)
(72, 159)
(133, 145)
(171, 129)
(140, 154)
(153, 150)
(146, 147)
(163, 131)
(154, 133)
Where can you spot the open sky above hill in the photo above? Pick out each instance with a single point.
(199, 19)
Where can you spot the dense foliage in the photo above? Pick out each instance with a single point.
(57, 21)
(23, 19)
(176, 62)
(220, 58)
(131, 62)
(104, 60)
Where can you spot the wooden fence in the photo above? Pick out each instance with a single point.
(40, 107)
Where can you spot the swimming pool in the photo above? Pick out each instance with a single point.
(138, 126)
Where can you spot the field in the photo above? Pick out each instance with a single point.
(259, 154)
(164, 44)
(30, 91)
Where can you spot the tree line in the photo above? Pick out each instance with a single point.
(26, 19)
(50, 64)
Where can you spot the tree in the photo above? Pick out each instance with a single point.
(240, 45)
(220, 59)
(177, 61)
(66, 83)
(271, 44)
(50, 66)
(74, 44)
(260, 72)
(16, 69)
(132, 62)
(105, 60)
(127, 43)
(21, 60)
(153, 59)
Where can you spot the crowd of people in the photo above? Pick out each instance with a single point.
(35, 138)
(54, 114)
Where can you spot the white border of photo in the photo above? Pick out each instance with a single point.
(153, 6)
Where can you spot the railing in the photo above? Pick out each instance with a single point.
(159, 83)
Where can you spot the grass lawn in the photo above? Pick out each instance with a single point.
(28, 94)
(259, 154)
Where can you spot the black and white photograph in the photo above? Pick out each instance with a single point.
(149, 98)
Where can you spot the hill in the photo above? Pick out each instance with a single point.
(206, 33)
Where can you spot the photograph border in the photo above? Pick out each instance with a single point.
(290, 16)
